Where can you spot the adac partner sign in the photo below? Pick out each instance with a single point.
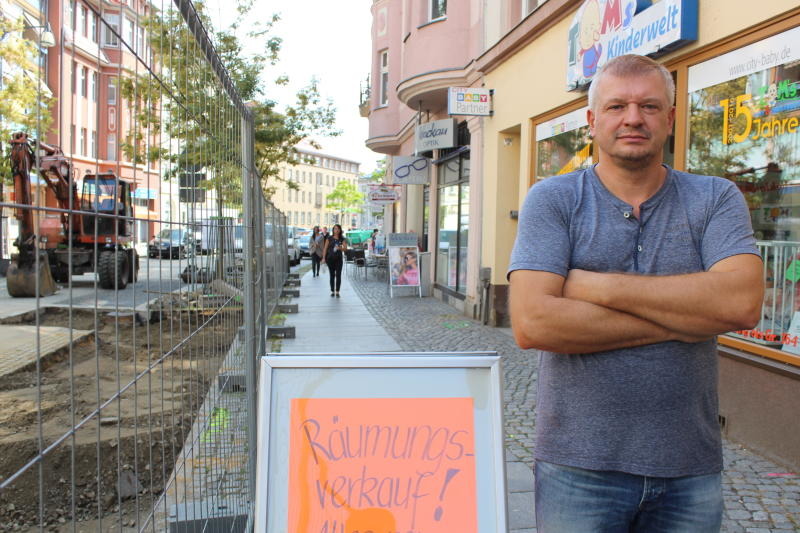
(469, 101)
(436, 135)
(604, 29)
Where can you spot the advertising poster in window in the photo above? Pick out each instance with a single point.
(404, 266)
(744, 124)
(563, 144)
(382, 464)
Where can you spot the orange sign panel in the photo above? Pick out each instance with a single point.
(382, 465)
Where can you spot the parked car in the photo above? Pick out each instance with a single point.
(293, 250)
(304, 242)
(173, 242)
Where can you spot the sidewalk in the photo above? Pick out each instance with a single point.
(760, 496)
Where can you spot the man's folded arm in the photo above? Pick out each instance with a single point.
(727, 297)
(543, 318)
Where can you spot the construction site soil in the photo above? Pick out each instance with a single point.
(114, 466)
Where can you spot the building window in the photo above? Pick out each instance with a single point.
(112, 23)
(745, 129)
(93, 86)
(83, 141)
(93, 34)
(384, 61)
(111, 146)
(112, 91)
(72, 139)
(140, 41)
(82, 20)
(453, 224)
(438, 9)
(93, 145)
(561, 149)
(130, 35)
(84, 81)
(529, 6)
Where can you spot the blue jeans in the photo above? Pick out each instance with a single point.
(574, 500)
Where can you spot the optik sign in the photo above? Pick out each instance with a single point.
(604, 29)
(436, 135)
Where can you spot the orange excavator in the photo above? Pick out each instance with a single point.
(95, 231)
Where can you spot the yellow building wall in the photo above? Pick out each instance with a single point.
(532, 82)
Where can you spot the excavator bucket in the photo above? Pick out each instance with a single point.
(21, 278)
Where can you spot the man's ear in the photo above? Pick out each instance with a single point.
(590, 120)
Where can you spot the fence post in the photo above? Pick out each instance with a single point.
(250, 302)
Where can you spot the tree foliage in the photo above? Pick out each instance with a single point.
(198, 124)
(345, 198)
(24, 102)
(379, 174)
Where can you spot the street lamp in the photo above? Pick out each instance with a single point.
(44, 38)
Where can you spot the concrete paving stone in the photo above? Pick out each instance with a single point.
(738, 514)
(778, 518)
(521, 511)
(519, 477)
(757, 530)
(731, 528)
(760, 516)
(753, 506)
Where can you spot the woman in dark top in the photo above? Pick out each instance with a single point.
(333, 256)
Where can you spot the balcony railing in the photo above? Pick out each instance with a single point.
(366, 91)
(778, 327)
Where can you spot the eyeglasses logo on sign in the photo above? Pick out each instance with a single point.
(411, 170)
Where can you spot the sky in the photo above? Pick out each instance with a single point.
(330, 41)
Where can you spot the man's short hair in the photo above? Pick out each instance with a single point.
(632, 65)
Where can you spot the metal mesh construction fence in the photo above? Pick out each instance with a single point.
(142, 263)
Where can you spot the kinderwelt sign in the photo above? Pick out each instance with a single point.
(436, 135)
(604, 29)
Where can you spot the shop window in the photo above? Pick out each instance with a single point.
(438, 9)
(453, 223)
(563, 144)
(744, 125)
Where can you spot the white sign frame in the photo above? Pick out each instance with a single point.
(461, 101)
(435, 135)
(419, 375)
(762, 55)
(400, 251)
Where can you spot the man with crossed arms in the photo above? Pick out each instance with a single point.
(622, 275)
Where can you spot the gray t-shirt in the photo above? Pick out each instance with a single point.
(650, 410)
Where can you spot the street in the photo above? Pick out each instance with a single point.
(156, 277)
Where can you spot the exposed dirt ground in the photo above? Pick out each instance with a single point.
(134, 438)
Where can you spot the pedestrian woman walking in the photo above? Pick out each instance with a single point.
(315, 246)
(333, 256)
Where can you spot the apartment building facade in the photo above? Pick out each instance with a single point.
(99, 43)
(315, 177)
(420, 49)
